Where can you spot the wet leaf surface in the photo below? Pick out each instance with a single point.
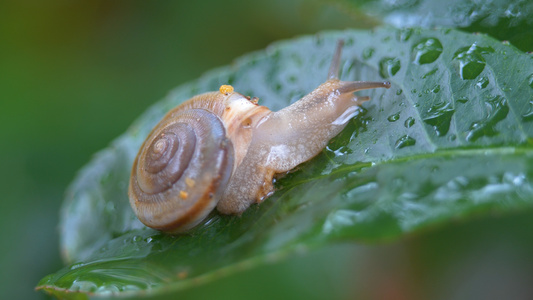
(451, 139)
(502, 19)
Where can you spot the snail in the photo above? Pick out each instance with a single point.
(221, 149)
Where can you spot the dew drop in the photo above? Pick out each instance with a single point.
(462, 100)
(297, 59)
(77, 265)
(427, 51)
(292, 79)
(405, 34)
(482, 82)
(340, 152)
(389, 66)
(231, 79)
(497, 111)
(430, 73)
(439, 116)
(368, 53)
(528, 116)
(404, 141)
(393, 118)
(348, 42)
(471, 61)
(531, 81)
(399, 92)
(319, 40)
(409, 122)
(436, 89)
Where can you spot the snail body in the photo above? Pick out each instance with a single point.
(221, 149)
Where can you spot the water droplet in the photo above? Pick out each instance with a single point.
(343, 150)
(404, 141)
(297, 59)
(409, 122)
(319, 39)
(399, 92)
(394, 117)
(105, 178)
(531, 81)
(482, 82)
(413, 91)
(77, 265)
(497, 111)
(430, 73)
(436, 89)
(439, 116)
(427, 51)
(528, 116)
(462, 100)
(292, 79)
(368, 53)
(405, 34)
(471, 61)
(389, 66)
(348, 42)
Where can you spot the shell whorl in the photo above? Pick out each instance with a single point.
(181, 170)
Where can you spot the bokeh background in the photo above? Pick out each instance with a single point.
(75, 74)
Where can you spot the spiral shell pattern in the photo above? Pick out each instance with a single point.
(181, 170)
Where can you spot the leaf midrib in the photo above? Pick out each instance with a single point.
(445, 153)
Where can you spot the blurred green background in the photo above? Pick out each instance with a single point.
(75, 74)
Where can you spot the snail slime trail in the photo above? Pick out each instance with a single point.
(221, 149)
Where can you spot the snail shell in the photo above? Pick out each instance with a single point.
(221, 149)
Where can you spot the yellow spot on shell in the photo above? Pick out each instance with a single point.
(189, 182)
(184, 194)
(226, 89)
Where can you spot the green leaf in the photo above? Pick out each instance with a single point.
(510, 20)
(451, 139)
